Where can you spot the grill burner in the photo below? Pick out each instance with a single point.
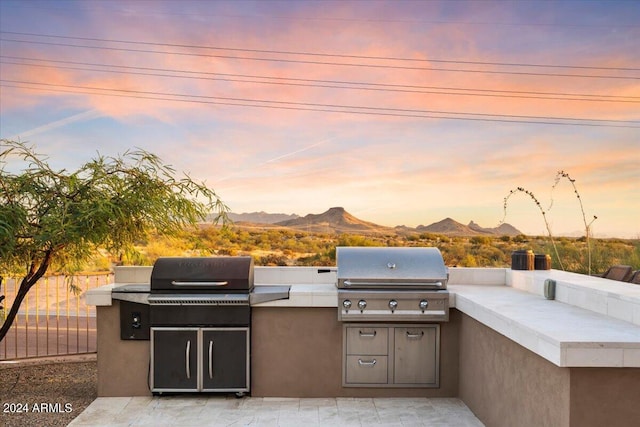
(391, 284)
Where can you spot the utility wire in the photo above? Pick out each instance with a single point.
(328, 84)
(400, 112)
(333, 55)
(341, 64)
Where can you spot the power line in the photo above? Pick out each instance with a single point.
(301, 106)
(326, 55)
(342, 64)
(330, 84)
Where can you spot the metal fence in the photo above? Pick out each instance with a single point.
(53, 319)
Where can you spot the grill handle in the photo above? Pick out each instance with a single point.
(357, 283)
(211, 359)
(178, 283)
(187, 356)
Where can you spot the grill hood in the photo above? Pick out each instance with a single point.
(390, 268)
(203, 275)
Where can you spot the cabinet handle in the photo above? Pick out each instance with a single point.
(410, 335)
(187, 355)
(211, 359)
(367, 334)
(363, 363)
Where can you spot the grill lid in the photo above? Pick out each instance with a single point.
(202, 275)
(397, 267)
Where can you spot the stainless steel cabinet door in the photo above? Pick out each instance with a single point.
(225, 359)
(416, 355)
(174, 359)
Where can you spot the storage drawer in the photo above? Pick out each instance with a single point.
(367, 340)
(366, 369)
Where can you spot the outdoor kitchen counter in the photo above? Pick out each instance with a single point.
(566, 335)
(562, 333)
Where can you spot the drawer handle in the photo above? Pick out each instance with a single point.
(363, 363)
(367, 334)
(410, 335)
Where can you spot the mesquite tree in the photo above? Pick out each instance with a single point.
(58, 219)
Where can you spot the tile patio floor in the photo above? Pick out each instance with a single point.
(179, 411)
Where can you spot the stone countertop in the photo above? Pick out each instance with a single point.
(564, 334)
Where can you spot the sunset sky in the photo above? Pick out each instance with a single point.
(402, 112)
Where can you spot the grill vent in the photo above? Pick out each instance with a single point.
(199, 300)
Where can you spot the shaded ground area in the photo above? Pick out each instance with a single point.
(46, 393)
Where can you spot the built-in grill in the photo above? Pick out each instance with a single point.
(200, 320)
(391, 301)
(394, 284)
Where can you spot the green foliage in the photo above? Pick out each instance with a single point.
(355, 240)
(109, 202)
(59, 219)
(481, 240)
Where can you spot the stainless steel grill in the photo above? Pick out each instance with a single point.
(391, 284)
(401, 295)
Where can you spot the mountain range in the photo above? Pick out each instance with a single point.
(338, 220)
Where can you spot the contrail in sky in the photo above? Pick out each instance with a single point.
(275, 159)
(86, 115)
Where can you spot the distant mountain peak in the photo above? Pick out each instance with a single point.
(335, 219)
(452, 227)
(261, 217)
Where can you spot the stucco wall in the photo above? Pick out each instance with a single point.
(297, 352)
(123, 366)
(506, 385)
(605, 397)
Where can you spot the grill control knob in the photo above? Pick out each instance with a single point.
(424, 304)
(362, 304)
(393, 304)
(346, 304)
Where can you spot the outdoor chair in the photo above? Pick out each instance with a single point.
(618, 272)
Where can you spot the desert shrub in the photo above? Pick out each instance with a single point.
(481, 240)
(468, 261)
